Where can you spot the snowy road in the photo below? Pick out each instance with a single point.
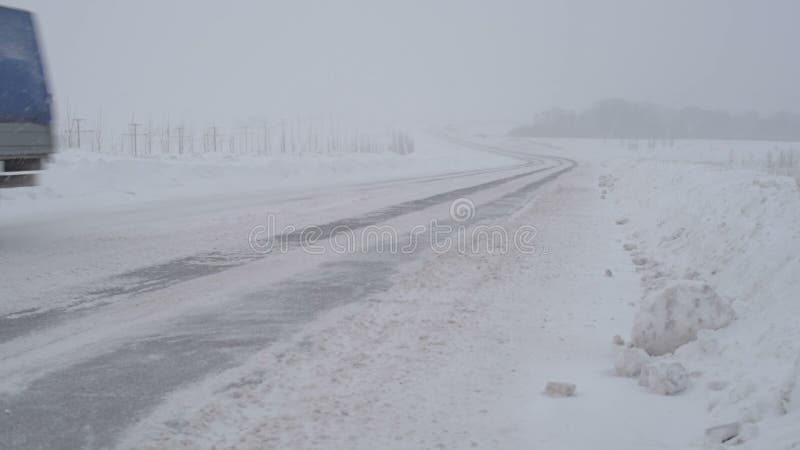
(182, 295)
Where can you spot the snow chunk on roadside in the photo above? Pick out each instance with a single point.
(672, 316)
(629, 362)
(559, 389)
(665, 378)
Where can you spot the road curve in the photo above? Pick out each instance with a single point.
(89, 372)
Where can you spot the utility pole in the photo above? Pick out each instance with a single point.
(77, 122)
(134, 127)
(214, 137)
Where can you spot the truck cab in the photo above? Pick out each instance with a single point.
(26, 135)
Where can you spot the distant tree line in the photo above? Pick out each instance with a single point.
(619, 119)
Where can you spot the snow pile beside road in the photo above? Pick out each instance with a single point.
(80, 180)
(672, 316)
(695, 231)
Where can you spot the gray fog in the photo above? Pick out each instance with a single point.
(414, 60)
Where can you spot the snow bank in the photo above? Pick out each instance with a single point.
(673, 315)
(719, 235)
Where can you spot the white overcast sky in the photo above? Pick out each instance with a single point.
(202, 60)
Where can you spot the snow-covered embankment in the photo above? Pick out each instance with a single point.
(717, 251)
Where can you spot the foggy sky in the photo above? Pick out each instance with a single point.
(414, 60)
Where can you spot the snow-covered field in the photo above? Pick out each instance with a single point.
(78, 180)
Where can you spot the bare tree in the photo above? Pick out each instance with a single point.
(166, 137)
(179, 130)
(283, 136)
(267, 139)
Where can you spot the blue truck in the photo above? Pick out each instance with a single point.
(26, 137)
